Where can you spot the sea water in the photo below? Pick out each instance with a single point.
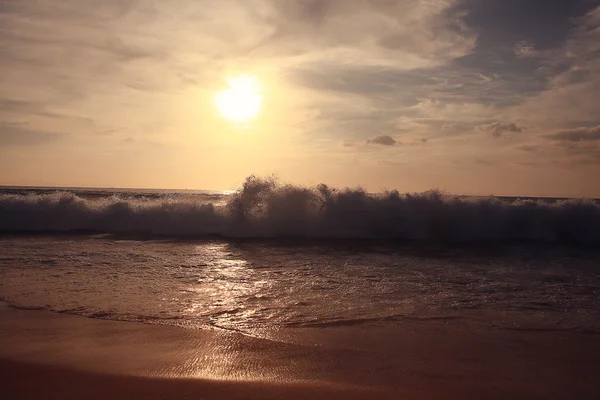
(271, 260)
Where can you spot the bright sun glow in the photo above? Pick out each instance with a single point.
(241, 101)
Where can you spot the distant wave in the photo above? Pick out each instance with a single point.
(264, 208)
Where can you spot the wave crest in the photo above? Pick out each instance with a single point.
(265, 208)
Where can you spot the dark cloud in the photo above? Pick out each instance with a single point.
(491, 82)
(372, 81)
(525, 49)
(520, 43)
(578, 135)
(506, 22)
(19, 135)
(501, 71)
(498, 129)
(581, 145)
(383, 140)
(420, 142)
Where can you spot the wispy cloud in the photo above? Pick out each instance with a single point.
(408, 34)
(21, 135)
(573, 91)
(578, 135)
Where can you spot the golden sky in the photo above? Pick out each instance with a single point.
(473, 98)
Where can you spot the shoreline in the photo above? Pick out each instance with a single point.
(57, 356)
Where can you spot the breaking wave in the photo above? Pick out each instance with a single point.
(265, 208)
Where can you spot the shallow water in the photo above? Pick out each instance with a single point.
(270, 289)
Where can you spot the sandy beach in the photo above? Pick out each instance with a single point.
(33, 381)
(54, 356)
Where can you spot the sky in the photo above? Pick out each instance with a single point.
(469, 96)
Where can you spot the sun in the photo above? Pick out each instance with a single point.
(241, 101)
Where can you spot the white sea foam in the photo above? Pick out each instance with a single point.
(264, 208)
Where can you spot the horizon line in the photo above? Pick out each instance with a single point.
(45, 187)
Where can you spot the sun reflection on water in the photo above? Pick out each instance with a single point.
(222, 287)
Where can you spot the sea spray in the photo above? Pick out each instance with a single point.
(266, 208)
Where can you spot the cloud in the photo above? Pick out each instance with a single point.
(577, 147)
(459, 113)
(410, 33)
(413, 69)
(572, 91)
(454, 128)
(530, 148)
(525, 49)
(502, 23)
(457, 82)
(13, 134)
(20, 108)
(498, 129)
(578, 135)
(383, 140)
(98, 61)
(420, 142)
(581, 153)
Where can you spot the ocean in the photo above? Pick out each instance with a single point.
(271, 257)
(307, 266)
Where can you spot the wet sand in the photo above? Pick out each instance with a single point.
(53, 356)
(32, 381)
